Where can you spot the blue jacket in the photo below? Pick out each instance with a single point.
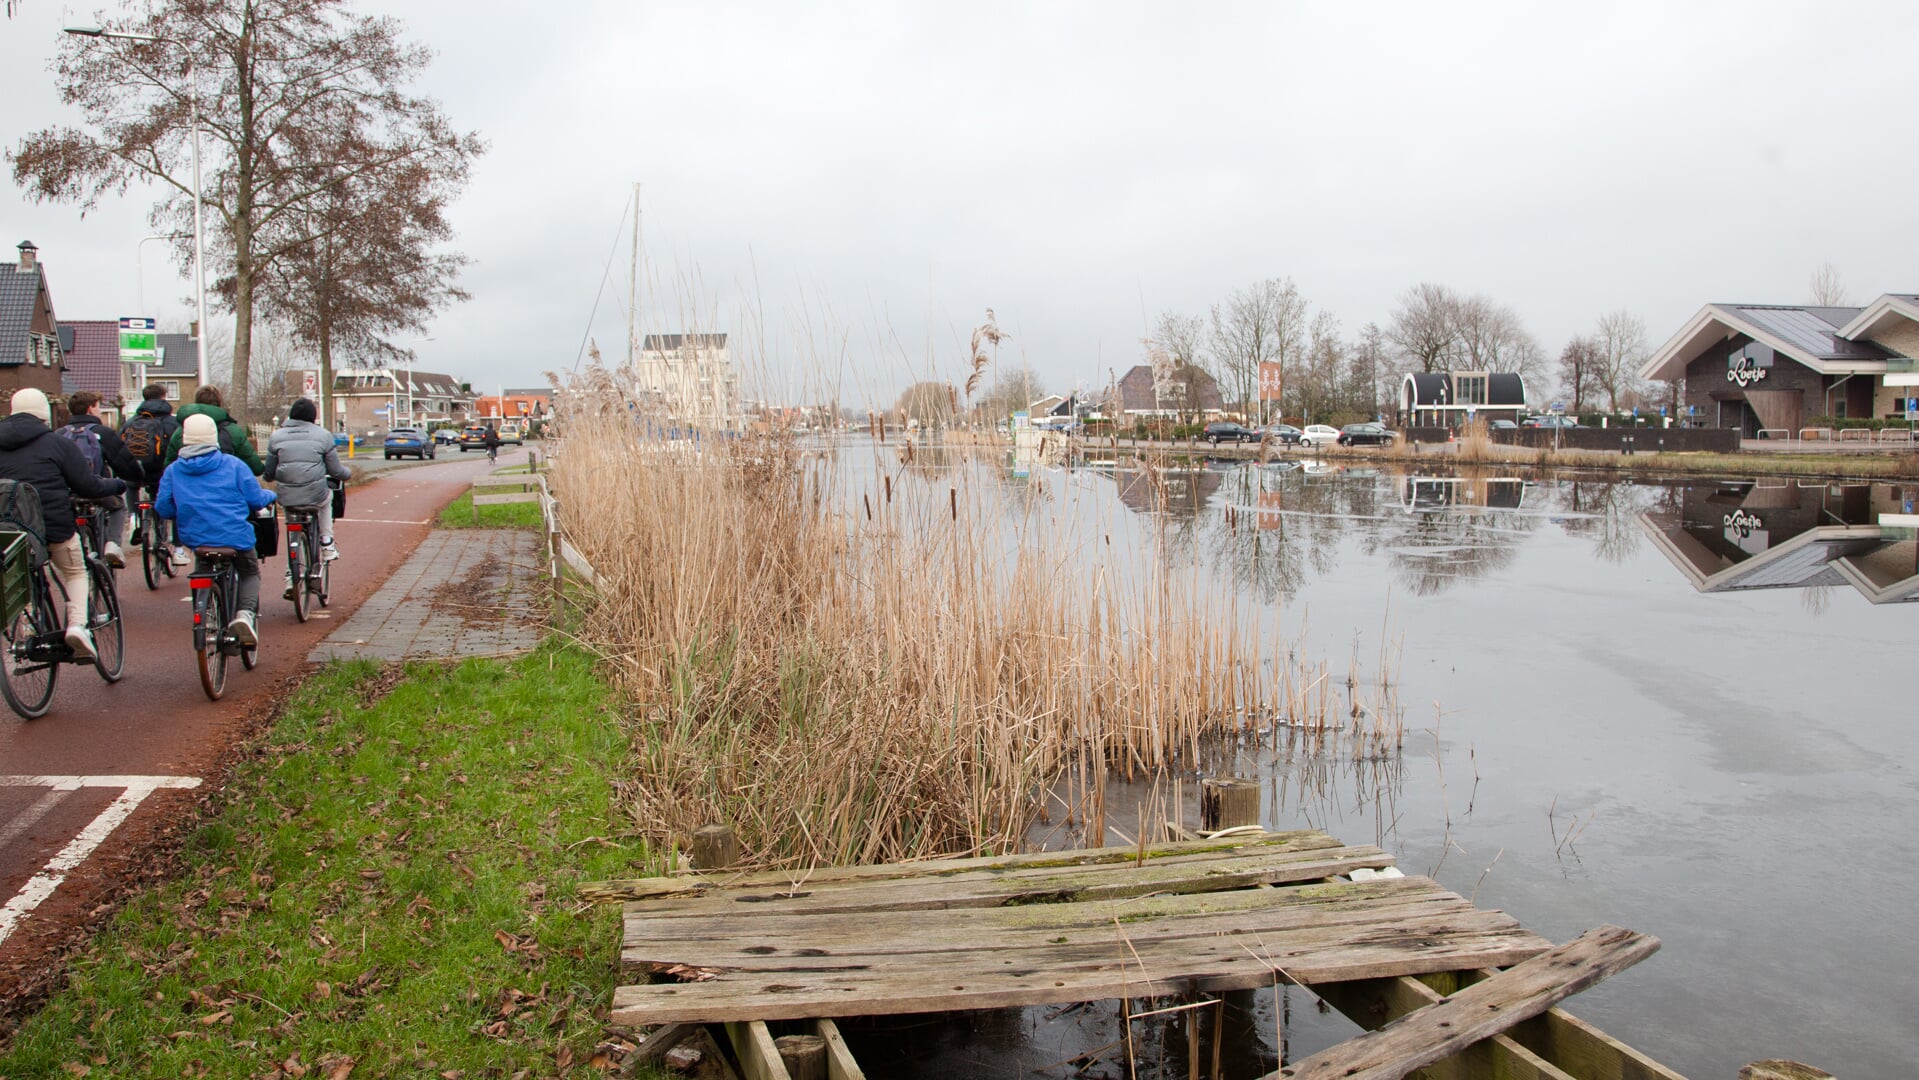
(209, 495)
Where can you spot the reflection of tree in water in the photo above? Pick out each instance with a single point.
(1283, 528)
(1606, 512)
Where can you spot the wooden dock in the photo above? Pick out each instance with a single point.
(1182, 920)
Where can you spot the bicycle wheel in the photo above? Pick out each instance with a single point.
(323, 576)
(296, 574)
(165, 546)
(109, 634)
(213, 659)
(153, 551)
(27, 684)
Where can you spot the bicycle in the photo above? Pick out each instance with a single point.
(156, 551)
(216, 596)
(309, 575)
(33, 639)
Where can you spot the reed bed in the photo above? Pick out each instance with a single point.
(872, 659)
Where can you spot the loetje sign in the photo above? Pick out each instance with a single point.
(1272, 379)
(139, 341)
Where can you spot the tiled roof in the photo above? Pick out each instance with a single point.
(93, 359)
(18, 292)
(179, 355)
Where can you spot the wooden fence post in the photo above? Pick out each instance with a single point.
(715, 847)
(1226, 802)
(804, 1055)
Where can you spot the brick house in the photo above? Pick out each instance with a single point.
(1188, 391)
(30, 353)
(1775, 367)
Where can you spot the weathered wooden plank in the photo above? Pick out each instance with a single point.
(1228, 964)
(988, 933)
(678, 885)
(508, 497)
(1480, 1011)
(1028, 886)
(753, 1045)
(839, 1059)
(1374, 1003)
(1578, 1047)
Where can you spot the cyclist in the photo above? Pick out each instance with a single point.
(300, 460)
(58, 471)
(232, 434)
(492, 443)
(97, 439)
(209, 496)
(147, 434)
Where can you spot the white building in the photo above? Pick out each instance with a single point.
(688, 379)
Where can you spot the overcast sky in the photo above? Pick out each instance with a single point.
(870, 179)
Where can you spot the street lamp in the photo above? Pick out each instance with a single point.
(199, 228)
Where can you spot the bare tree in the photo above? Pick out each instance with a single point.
(1578, 370)
(1423, 326)
(1365, 360)
(1620, 341)
(1828, 288)
(928, 402)
(1013, 389)
(1316, 389)
(285, 77)
(1265, 322)
(1490, 337)
(1181, 337)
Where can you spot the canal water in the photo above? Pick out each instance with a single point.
(1687, 706)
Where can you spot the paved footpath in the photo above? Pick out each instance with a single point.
(464, 592)
(85, 789)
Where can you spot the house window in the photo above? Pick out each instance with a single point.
(171, 386)
(1469, 389)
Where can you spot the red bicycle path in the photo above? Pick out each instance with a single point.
(156, 721)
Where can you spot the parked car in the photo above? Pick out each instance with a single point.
(472, 437)
(1550, 421)
(1318, 435)
(404, 442)
(1285, 434)
(1366, 435)
(1233, 433)
(1501, 425)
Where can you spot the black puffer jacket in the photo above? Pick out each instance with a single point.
(112, 449)
(30, 452)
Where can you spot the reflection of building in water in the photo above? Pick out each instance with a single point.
(1176, 491)
(1427, 493)
(1784, 535)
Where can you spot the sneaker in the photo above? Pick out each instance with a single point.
(80, 640)
(245, 629)
(288, 595)
(181, 556)
(137, 536)
(114, 556)
(327, 551)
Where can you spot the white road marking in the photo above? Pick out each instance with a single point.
(24, 819)
(43, 884)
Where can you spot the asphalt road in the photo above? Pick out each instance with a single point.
(156, 722)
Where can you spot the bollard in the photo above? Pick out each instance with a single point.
(803, 1055)
(1226, 802)
(715, 847)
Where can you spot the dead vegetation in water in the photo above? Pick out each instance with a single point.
(860, 663)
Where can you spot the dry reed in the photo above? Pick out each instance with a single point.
(887, 660)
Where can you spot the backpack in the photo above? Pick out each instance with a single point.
(146, 438)
(88, 440)
(20, 512)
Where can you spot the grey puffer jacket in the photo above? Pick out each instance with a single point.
(300, 458)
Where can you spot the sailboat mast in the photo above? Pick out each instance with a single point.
(633, 287)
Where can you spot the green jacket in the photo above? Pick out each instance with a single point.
(236, 432)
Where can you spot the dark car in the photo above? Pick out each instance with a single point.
(445, 436)
(1285, 434)
(405, 442)
(1219, 433)
(1365, 435)
(1501, 425)
(1551, 422)
(473, 437)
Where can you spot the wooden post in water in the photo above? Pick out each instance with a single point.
(803, 1055)
(715, 847)
(1226, 802)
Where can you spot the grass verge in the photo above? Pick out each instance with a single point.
(459, 515)
(387, 891)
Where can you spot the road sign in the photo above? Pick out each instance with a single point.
(139, 341)
(1272, 380)
(1559, 406)
(309, 383)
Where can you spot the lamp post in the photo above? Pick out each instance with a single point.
(199, 227)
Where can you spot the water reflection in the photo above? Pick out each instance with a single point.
(1777, 534)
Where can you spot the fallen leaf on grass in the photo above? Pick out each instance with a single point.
(338, 1068)
(222, 1016)
(76, 1068)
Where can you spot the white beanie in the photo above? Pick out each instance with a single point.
(33, 403)
(199, 430)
